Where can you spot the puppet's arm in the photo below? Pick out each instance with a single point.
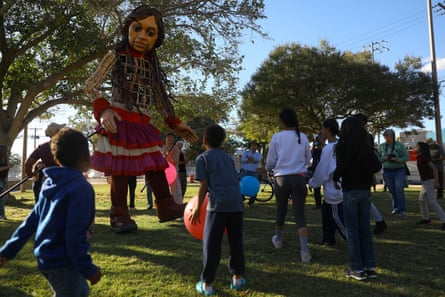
(99, 76)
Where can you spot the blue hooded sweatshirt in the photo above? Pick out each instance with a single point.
(60, 220)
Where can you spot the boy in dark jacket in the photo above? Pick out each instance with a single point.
(62, 220)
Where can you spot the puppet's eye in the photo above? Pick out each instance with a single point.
(151, 33)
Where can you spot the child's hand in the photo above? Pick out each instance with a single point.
(3, 260)
(95, 278)
(194, 217)
(90, 231)
(336, 185)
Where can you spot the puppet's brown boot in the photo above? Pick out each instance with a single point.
(168, 210)
(120, 220)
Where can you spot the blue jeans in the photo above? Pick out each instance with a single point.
(67, 282)
(356, 211)
(395, 180)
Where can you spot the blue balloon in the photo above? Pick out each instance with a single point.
(249, 186)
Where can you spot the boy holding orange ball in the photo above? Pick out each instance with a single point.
(216, 172)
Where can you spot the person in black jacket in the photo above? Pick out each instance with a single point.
(356, 164)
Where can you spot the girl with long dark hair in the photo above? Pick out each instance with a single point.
(356, 164)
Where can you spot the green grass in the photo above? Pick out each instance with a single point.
(164, 260)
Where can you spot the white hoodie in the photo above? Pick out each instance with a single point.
(286, 156)
(324, 173)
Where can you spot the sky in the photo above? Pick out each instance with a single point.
(399, 26)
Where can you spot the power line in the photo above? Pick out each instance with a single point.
(400, 24)
(384, 31)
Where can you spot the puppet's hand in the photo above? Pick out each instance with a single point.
(108, 119)
(186, 132)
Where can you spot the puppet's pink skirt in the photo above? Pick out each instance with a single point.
(134, 150)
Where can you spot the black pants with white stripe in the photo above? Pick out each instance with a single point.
(332, 220)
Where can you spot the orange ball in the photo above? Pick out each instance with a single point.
(197, 230)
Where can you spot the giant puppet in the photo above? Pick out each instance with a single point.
(128, 143)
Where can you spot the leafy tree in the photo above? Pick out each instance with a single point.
(48, 49)
(320, 83)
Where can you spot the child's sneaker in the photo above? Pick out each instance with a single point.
(380, 227)
(277, 243)
(371, 274)
(238, 284)
(424, 222)
(202, 289)
(443, 227)
(358, 275)
(305, 257)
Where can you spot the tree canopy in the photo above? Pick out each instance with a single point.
(48, 49)
(321, 83)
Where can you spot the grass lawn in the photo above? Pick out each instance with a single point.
(164, 260)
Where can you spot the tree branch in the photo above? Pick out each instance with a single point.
(6, 6)
(51, 80)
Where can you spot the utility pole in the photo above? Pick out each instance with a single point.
(35, 136)
(376, 46)
(434, 74)
(24, 153)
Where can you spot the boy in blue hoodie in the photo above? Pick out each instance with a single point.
(62, 220)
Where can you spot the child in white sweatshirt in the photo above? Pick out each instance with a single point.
(332, 208)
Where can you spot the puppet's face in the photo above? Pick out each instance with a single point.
(142, 34)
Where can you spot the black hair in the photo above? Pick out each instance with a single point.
(354, 142)
(215, 135)
(332, 125)
(424, 148)
(289, 118)
(361, 117)
(70, 147)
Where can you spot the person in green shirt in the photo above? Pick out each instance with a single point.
(393, 155)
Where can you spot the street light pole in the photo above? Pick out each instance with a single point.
(434, 75)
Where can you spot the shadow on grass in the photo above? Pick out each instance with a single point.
(20, 202)
(164, 260)
(7, 291)
(169, 248)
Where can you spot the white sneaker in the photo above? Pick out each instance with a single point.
(305, 257)
(278, 244)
